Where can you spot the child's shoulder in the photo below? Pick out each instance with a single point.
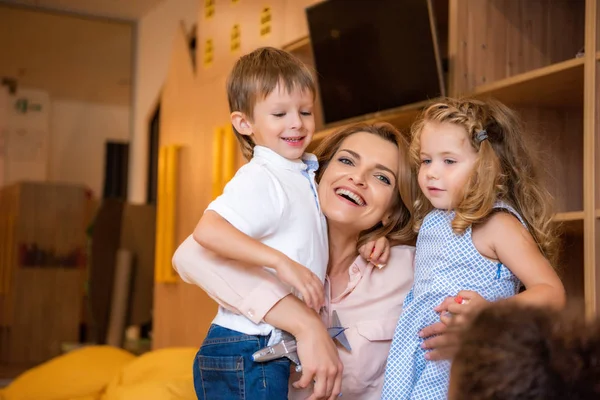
(254, 178)
(502, 222)
(401, 255)
(399, 269)
(254, 169)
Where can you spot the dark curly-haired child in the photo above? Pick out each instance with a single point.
(515, 352)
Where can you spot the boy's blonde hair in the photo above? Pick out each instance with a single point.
(398, 228)
(505, 169)
(255, 76)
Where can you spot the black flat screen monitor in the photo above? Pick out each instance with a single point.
(373, 55)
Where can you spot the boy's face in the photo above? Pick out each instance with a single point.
(284, 122)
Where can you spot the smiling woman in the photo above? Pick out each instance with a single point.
(365, 188)
(350, 147)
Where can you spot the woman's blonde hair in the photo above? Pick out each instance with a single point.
(398, 227)
(505, 169)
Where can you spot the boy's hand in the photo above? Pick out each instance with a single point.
(376, 251)
(304, 281)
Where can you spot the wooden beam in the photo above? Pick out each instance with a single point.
(589, 164)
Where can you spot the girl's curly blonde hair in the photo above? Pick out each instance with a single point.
(504, 170)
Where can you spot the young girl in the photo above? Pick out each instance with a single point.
(484, 222)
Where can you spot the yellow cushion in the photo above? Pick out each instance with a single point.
(159, 374)
(78, 375)
(174, 389)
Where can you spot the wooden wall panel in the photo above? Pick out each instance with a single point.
(495, 39)
(295, 19)
(557, 136)
(185, 114)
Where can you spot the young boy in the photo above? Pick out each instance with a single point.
(268, 216)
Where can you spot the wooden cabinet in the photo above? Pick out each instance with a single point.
(43, 249)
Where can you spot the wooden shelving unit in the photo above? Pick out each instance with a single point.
(527, 54)
(556, 85)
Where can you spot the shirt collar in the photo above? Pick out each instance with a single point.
(356, 272)
(309, 161)
(359, 266)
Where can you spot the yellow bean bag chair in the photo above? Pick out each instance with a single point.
(81, 374)
(108, 373)
(160, 374)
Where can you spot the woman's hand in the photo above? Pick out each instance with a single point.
(318, 355)
(320, 363)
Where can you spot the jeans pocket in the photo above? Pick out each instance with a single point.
(219, 378)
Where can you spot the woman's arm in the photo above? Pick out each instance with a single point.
(259, 295)
(238, 287)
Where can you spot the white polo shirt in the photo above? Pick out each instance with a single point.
(274, 200)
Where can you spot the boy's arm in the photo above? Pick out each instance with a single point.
(216, 234)
(251, 207)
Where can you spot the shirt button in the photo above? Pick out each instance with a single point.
(355, 269)
(251, 313)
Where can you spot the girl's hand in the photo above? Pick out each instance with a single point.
(376, 251)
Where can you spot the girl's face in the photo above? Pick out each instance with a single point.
(447, 162)
(357, 188)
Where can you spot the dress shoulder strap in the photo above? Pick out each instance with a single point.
(501, 205)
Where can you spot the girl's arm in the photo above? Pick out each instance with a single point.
(504, 238)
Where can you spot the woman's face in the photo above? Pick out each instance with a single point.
(357, 188)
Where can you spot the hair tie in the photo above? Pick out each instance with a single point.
(481, 136)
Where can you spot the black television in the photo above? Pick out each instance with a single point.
(374, 55)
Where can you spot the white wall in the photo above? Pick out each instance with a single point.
(24, 135)
(154, 37)
(78, 132)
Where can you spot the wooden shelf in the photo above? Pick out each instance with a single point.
(571, 223)
(557, 85)
(568, 216)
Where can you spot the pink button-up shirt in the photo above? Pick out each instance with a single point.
(369, 307)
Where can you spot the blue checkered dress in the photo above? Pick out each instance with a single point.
(445, 263)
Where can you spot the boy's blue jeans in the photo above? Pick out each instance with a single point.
(224, 370)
